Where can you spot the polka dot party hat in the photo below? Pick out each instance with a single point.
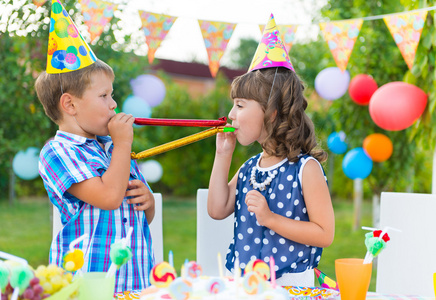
(271, 51)
(67, 50)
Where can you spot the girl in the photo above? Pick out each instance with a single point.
(280, 197)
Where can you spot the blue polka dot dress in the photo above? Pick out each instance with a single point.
(284, 196)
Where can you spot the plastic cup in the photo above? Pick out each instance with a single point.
(353, 278)
(96, 286)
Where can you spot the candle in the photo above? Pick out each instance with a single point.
(273, 271)
(170, 258)
(181, 142)
(220, 266)
(181, 122)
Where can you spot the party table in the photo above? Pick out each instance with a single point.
(130, 295)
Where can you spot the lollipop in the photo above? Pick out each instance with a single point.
(258, 266)
(215, 286)
(180, 289)
(193, 269)
(375, 242)
(74, 258)
(162, 275)
(4, 277)
(253, 283)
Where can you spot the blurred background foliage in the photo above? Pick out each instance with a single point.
(24, 46)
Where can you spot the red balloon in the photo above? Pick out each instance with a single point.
(397, 105)
(361, 88)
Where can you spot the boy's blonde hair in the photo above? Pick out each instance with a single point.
(289, 130)
(50, 87)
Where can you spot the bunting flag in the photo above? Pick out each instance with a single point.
(287, 34)
(216, 35)
(340, 37)
(155, 27)
(39, 3)
(406, 30)
(97, 14)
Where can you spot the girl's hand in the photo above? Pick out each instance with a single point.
(257, 204)
(121, 129)
(225, 142)
(139, 195)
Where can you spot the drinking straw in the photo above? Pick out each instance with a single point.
(23, 272)
(181, 122)
(370, 256)
(124, 243)
(181, 142)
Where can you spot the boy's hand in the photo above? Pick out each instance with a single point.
(121, 128)
(139, 195)
(257, 204)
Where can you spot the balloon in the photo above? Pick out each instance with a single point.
(378, 146)
(152, 170)
(25, 163)
(397, 105)
(361, 88)
(332, 83)
(136, 107)
(336, 142)
(150, 88)
(357, 164)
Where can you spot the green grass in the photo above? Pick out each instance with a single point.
(25, 231)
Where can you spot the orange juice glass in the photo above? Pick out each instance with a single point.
(353, 278)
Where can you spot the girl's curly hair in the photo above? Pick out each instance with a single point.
(289, 130)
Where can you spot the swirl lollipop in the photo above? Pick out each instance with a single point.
(162, 275)
(74, 258)
(180, 289)
(215, 286)
(193, 269)
(258, 266)
(253, 283)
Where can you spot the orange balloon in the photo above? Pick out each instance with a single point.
(378, 146)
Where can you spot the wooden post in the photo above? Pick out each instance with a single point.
(11, 185)
(358, 197)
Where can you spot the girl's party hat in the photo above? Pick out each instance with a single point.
(67, 50)
(325, 281)
(270, 52)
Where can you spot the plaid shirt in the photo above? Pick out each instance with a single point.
(70, 159)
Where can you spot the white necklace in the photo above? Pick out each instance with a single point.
(262, 185)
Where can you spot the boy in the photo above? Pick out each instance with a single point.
(89, 176)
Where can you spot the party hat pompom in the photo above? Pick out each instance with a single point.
(120, 254)
(73, 260)
(4, 276)
(270, 52)
(67, 50)
(20, 277)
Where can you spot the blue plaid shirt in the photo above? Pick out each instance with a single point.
(70, 159)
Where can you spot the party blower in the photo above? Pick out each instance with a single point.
(218, 127)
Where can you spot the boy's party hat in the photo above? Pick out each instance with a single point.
(67, 50)
(325, 281)
(270, 52)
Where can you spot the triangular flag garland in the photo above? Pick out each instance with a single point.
(216, 36)
(155, 27)
(287, 34)
(406, 30)
(96, 15)
(340, 37)
(67, 50)
(39, 3)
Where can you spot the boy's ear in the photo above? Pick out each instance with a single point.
(67, 104)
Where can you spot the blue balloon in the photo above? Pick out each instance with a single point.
(136, 107)
(357, 164)
(25, 163)
(336, 142)
(332, 83)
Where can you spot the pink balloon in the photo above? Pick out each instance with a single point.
(397, 105)
(361, 88)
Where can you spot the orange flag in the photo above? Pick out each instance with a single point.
(341, 36)
(287, 34)
(97, 14)
(406, 30)
(216, 35)
(39, 3)
(155, 27)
